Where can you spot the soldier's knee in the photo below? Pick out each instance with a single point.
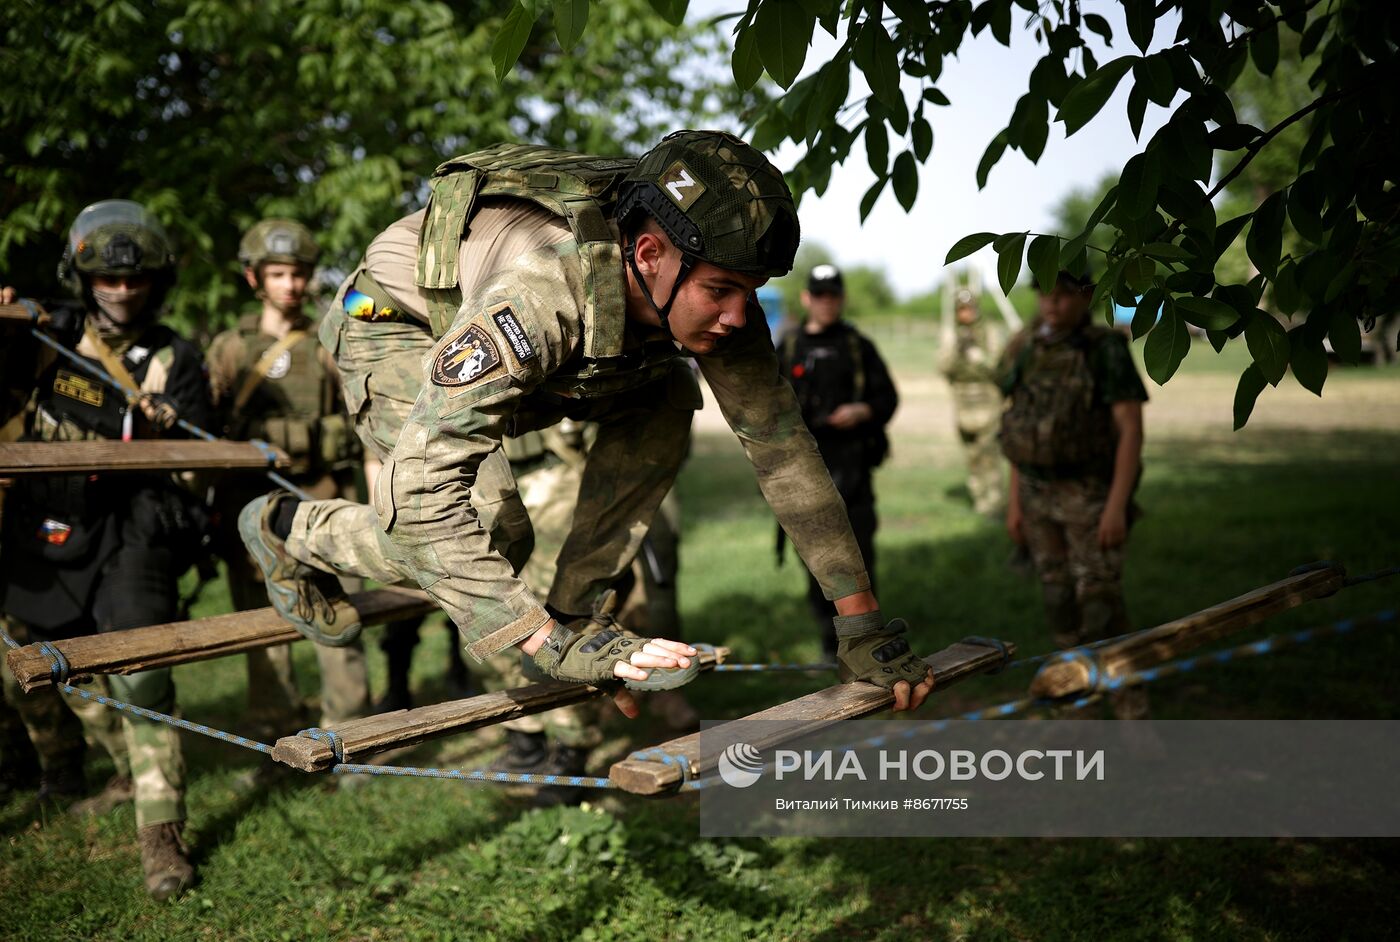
(1061, 611)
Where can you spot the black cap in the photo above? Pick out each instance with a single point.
(826, 278)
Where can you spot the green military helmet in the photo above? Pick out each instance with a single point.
(719, 200)
(115, 237)
(278, 241)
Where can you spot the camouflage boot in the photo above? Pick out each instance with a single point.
(525, 752)
(165, 860)
(312, 601)
(63, 779)
(118, 791)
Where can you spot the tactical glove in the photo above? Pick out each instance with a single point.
(585, 650)
(874, 652)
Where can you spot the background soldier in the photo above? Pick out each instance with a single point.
(271, 380)
(970, 347)
(847, 398)
(1073, 434)
(106, 550)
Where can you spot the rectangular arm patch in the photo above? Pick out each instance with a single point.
(515, 335)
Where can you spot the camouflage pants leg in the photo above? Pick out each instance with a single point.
(1082, 583)
(985, 480)
(549, 493)
(157, 761)
(60, 725)
(653, 607)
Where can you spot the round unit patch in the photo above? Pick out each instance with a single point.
(467, 358)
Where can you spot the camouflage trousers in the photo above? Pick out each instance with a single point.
(652, 607)
(1081, 582)
(146, 750)
(978, 410)
(275, 706)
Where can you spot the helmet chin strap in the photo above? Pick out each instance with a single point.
(663, 312)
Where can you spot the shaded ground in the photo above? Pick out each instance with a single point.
(402, 859)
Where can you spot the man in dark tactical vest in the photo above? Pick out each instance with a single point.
(104, 552)
(1072, 431)
(540, 285)
(847, 398)
(271, 380)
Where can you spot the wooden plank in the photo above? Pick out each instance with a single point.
(1168, 641)
(18, 458)
(374, 734)
(126, 652)
(804, 715)
(18, 312)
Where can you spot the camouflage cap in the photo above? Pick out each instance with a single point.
(115, 237)
(718, 199)
(281, 241)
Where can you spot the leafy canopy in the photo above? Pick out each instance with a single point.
(1320, 238)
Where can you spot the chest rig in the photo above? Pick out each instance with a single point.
(1055, 421)
(581, 190)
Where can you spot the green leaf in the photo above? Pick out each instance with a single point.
(1268, 344)
(1009, 248)
(1044, 259)
(748, 64)
(1137, 110)
(1089, 95)
(1148, 309)
(989, 158)
(1138, 184)
(922, 133)
(934, 96)
(1001, 21)
(1155, 74)
(867, 203)
(1263, 48)
(1165, 250)
(969, 244)
(1286, 288)
(1308, 359)
(1345, 334)
(1036, 130)
(882, 65)
(1166, 346)
(1305, 198)
(1099, 25)
(672, 11)
(1207, 313)
(1265, 240)
(1138, 272)
(510, 41)
(906, 180)
(877, 146)
(784, 32)
(1227, 232)
(570, 19)
(1142, 20)
(912, 14)
(1246, 393)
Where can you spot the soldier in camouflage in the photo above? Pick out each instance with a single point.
(107, 550)
(540, 285)
(970, 348)
(271, 380)
(1072, 431)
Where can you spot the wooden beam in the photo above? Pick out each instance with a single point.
(1165, 642)
(374, 734)
(18, 458)
(804, 715)
(126, 652)
(18, 312)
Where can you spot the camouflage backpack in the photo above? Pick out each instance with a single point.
(1054, 421)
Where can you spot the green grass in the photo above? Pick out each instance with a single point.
(410, 859)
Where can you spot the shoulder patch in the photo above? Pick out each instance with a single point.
(465, 359)
(515, 335)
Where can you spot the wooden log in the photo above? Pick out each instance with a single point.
(1165, 642)
(18, 312)
(126, 652)
(18, 458)
(799, 717)
(374, 734)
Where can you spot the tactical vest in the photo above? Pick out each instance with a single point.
(968, 364)
(294, 406)
(580, 189)
(1054, 423)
